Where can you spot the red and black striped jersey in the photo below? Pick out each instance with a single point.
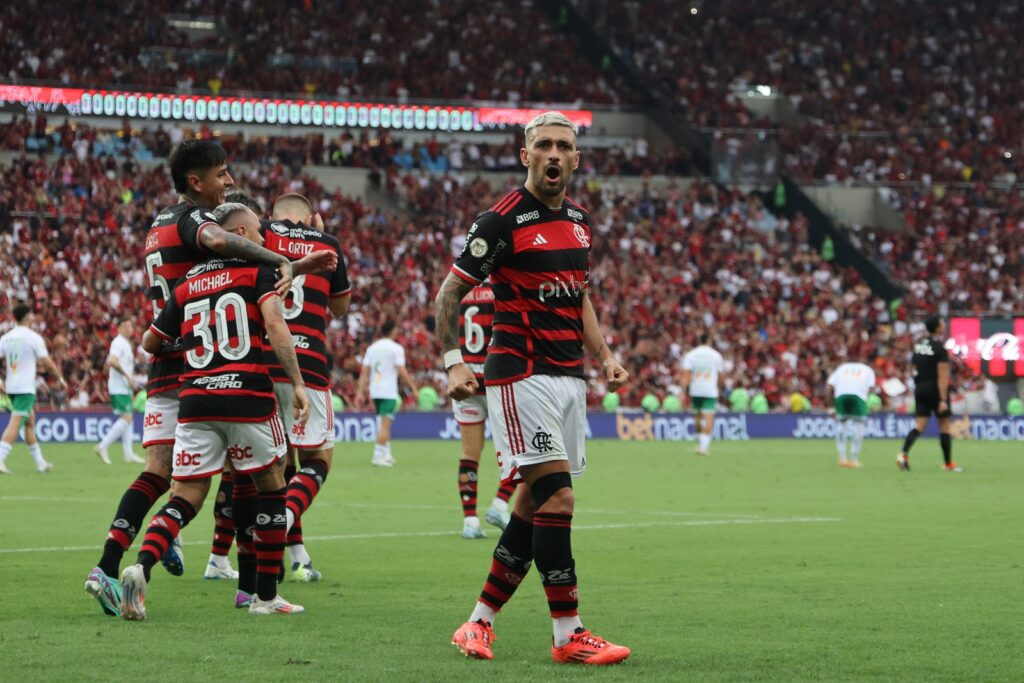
(537, 260)
(476, 315)
(172, 248)
(306, 309)
(215, 311)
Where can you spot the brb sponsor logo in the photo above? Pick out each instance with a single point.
(185, 459)
(239, 453)
(153, 420)
(528, 216)
(572, 288)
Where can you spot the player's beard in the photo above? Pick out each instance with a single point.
(552, 190)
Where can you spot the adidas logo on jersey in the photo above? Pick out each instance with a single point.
(539, 239)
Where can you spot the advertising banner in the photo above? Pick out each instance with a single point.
(89, 427)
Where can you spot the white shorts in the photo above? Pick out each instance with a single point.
(200, 448)
(472, 411)
(539, 419)
(318, 432)
(285, 395)
(160, 419)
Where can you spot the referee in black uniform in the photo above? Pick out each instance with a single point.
(931, 393)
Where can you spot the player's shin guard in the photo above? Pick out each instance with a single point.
(552, 550)
(165, 526)
(131, 512)
(946, 441)
(303, 487)
(908, 443)
(223, 522)
(244, 509)
(270, 535)
(467, 486)
(512, 559)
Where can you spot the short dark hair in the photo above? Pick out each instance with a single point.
(704, 338)
(387, 327)
(245, 200)
(932, 324)
(191, 156)
(20, 311)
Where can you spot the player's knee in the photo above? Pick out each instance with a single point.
(553, 493)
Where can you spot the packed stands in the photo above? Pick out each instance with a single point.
(354, 49)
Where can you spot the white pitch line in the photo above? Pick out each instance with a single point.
(403, 506)
(426, 534)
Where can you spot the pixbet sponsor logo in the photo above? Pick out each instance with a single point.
(557, 288)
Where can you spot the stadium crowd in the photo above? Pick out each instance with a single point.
(664, 267)
(890, 91)
(355, 49)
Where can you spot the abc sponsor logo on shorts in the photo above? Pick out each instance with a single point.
(184, 459)
(238, 453)
(153, 420)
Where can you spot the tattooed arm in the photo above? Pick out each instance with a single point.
(462, 383)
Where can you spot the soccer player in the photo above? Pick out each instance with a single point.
(534, 246)
(181, 236)
(849, 386)
(120, 366)
(313, 299)
(22, 348)
(220, 310)
(383, 365)
(702, 379)
(476, 314)
(931, 394)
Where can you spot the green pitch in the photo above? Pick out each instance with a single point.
(765, 561)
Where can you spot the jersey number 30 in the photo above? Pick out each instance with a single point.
(200, 356)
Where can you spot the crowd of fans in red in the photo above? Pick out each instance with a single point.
(891, 90)
(664, 268)
(354, 49)
(925, 104)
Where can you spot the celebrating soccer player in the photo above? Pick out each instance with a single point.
(221, 310)
(534, 246)
(181, 236)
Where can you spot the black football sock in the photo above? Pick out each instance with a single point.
(131, 511)
(908, 443)
(946, 441)
(552, 551)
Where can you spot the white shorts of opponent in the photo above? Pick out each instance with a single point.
(539, 419)
(200, 448)
(160, 419)
(318, 432)
(472, 411)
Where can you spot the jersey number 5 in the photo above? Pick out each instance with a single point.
(200, 356)
(154, 261)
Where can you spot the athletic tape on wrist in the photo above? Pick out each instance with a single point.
(453, 357)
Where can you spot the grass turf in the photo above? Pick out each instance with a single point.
(763, 562)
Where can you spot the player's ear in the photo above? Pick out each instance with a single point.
(524, 156)
(195, 183)
(576, 160)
